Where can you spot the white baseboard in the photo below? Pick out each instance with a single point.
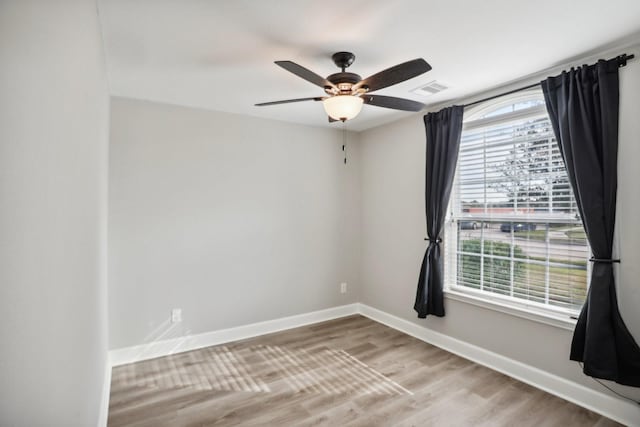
(617, 409)
(155, 349)
(106, 391)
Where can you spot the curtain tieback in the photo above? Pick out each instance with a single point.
(604, 260)
(438, 240)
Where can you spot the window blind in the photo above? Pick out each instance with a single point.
(516, 230)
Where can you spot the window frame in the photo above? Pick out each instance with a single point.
(520, 307)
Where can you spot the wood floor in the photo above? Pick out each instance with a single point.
(346, 372)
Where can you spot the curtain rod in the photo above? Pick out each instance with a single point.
(622, 61)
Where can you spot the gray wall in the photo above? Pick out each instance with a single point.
(231, 218)
(54, 108)
(392, 164)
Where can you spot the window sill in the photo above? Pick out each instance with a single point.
(558, 320)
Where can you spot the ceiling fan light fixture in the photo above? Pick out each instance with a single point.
(343, 107)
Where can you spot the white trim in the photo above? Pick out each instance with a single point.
(103, 416)
(604, 404)
(122, 356)
(546, 316)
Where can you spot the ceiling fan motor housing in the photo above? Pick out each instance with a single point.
(343, 81)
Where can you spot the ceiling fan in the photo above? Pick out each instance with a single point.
(347, 92)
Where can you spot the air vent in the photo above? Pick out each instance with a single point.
(430, 88)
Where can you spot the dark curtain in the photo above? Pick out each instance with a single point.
(443, 139)
(583, 107)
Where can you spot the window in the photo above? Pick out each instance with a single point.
(514, 232)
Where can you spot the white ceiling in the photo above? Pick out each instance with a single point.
(219, 55)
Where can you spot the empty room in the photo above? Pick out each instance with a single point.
(305, 213)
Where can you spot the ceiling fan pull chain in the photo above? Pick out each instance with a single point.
(344, 141)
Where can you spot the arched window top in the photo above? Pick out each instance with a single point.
(506, 105)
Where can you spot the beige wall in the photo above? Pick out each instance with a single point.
(231, 218)
(54, 108)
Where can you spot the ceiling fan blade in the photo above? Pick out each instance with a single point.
(286, 101)
(395, 74)
(331, 119)
(393, 103)
(306, 74)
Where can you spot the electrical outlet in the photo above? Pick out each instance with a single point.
(343, 288)
(176, 315)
